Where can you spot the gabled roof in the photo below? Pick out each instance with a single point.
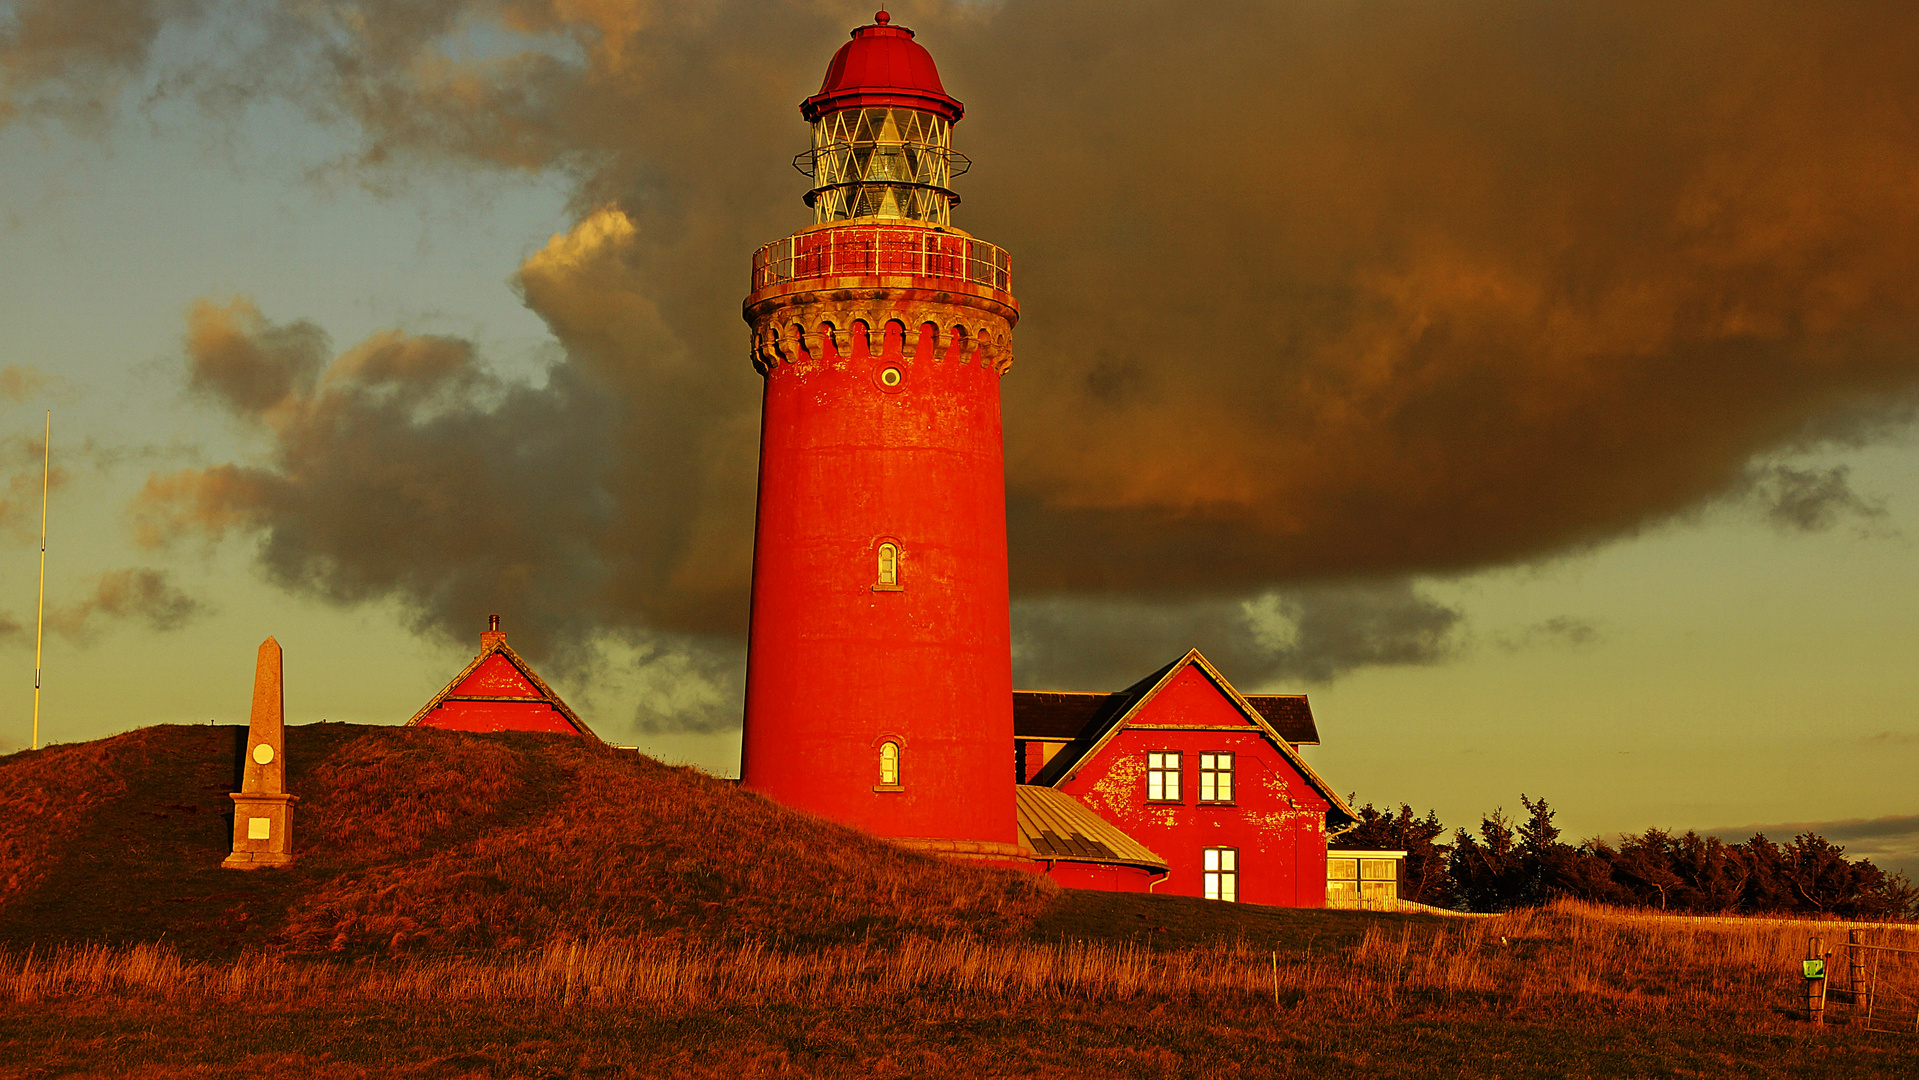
(528, 693)
(1060, 715)
(1059, 827)
(1112, 717)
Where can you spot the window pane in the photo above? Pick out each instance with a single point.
(1212, 859)
(1226, 787)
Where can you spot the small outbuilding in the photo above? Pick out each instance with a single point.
(498, 691)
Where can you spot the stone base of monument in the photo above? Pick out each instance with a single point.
(262, 831)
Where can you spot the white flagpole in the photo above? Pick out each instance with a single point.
(40, 612)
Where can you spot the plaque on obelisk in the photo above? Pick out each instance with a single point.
(262, 809)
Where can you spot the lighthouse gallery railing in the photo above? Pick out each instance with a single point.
(865, 251)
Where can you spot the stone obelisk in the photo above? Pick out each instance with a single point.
(262, 809)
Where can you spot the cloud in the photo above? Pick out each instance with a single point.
(135, 594)
(1558, 630)
(1330, 297)
(1309, 635)
(688, 689)
(68, 61)
(1891, 842)
(246, 364)
(20, 382)
(24, 471)
(1810, 500)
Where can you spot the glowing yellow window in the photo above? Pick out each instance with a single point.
(1162, 776)
(889, 764)
(1221, 874)
(889, 568)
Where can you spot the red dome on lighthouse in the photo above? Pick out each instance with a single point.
(882, 66)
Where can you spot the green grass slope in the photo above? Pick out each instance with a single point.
(414, 838)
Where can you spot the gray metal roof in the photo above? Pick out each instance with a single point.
(1057, 826)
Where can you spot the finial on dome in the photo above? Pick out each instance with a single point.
(882, 17)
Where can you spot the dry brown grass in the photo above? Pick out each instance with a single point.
(1565, 991)
(46, 803)
(538, 906)
(1566, 960)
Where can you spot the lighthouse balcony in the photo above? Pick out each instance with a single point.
(855, 255)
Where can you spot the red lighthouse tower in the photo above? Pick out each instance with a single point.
(879, 681)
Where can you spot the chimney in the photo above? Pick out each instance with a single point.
(493, 636)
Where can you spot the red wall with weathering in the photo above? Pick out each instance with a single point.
(847, 462)
(1277, 820)
(1101, 876)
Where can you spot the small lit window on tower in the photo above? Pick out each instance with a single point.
(1162, 776)
(889, 576)
(1222, 874)
(889, 764)
(1216, 778)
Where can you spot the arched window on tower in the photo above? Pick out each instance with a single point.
(889, 568)
(889, 764)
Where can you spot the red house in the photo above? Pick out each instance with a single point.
(498, 691)
(1178, 785)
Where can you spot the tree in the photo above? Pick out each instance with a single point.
(1643, 864)
(1489, 872)
(1551, 867)
(1428, 877)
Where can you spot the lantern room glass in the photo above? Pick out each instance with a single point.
(882, 162)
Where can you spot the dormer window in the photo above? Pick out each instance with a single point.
(888, 579)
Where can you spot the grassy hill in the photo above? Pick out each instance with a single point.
(506, 906)
(419, 839)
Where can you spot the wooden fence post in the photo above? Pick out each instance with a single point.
(1815, 979)
(1855, 969)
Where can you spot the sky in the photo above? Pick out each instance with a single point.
(1533, 386)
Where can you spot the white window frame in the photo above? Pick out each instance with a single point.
(1162, 776)
(1216, 779)
(1220, 874)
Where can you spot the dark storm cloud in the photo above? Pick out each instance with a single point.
(389, 479)
(1314, 293)
(1311, 635)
